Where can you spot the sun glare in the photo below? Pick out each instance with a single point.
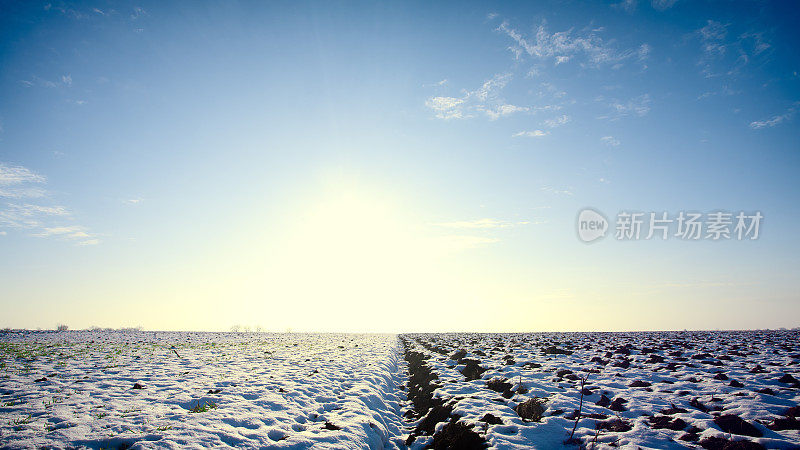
(351, 253)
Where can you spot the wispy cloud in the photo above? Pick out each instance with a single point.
(712, 37)
(628, 6)
(774, 120)
(610, 141)
(71, 231)
(482, 224)
(439, 83)
(32, 210)
(663, 5)
(587, 46)
(138, 12)
(497, 111)
(64, 81)
(756, 41)
(557, 121)
(446, 107)
(10, 175)
(584, 47)
(533, 133)
(725, 90)
(39, 220)
(555, 191)
(486, 100)
(637, 106)
(22, 192)
(28, 216)
(73, 13)
(725, 53)
(19, 182)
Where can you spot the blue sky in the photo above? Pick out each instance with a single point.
(393, 166)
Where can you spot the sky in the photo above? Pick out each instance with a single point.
(395, 166)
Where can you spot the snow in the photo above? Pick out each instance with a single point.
(275, 390)
(735, 354)
(265, 390)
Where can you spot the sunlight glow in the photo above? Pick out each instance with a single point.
(351, 255)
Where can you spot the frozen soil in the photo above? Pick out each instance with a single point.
(713, 390)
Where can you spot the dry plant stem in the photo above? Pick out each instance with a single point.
(580, 407)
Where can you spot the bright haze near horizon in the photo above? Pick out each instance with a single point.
(394, 166)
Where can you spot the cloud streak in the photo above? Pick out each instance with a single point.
(774, 120)
(555, 191)
(725, 53)
(19, 182)
(557, 121)
(563, 46)
(40, 220)
(636, 106)
(485, 100)
(482, 224)
(533, 133)
(10, 175)
(610, 141)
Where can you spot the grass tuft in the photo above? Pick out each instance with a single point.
(203, 407)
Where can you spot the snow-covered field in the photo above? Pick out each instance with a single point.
(651, 390)
(251, 390)
(263, 390)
